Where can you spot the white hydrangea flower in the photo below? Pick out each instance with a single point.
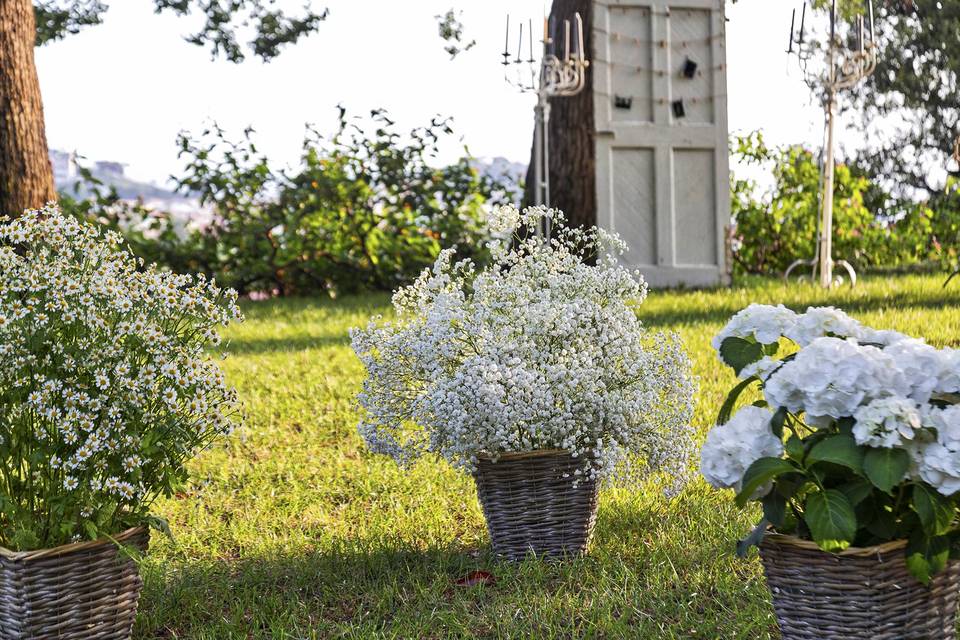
(762, 368)
(764, 323)
(818, 322)
(833, 377)
(731, 448)
(539, 351)
(922, 365)
(887, 422)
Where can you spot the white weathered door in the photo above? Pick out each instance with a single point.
(661, 144)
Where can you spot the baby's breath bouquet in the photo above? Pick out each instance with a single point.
(540, 350)
(106, 389)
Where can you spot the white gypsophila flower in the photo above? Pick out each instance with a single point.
(731, 448)
(833, 377)
(762, 368)
(886, 422)
(763, 323)
(818, 322)
(541, 350)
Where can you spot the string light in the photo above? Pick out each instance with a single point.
(702, 99)
(659, 72)
(661, 42)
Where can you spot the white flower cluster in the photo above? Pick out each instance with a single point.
(540, 350)
(893, 387)
(730, 449)
(106, 386)
(766, 324)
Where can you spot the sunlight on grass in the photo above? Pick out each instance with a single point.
(291, 530)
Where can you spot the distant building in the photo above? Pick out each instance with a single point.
(109, 168)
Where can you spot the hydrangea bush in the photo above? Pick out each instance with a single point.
(856, 440)
(106, 388)
(542, 349)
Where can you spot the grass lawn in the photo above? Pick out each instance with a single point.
(290, 530)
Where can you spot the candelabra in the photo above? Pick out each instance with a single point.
(845, 68)
(551, 76)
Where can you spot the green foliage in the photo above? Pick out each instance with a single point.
(155, 236)
(272, 28)
(775, 228)
(451, 31)
(58, 18)
(916, 85)
(364, 211)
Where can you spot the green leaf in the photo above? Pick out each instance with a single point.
(838, 449)
(857, 490)
(794, 448)
(91, 530)
(885, 467)
(738, 352)
(759, 473)
(774, 508)
(752, 540)
(936, 511)
(927, 555)
(723, 417)
(831, 519)
(777, 421)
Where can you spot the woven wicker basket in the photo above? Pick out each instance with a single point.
(83, 591)
(858, 594)
(530, 507)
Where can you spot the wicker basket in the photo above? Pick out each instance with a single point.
(530, 507)
(857, 594)
(83, 591)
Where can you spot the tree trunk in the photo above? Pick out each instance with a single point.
(572, 170)
(26, 177)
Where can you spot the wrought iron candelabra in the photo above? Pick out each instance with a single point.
(845, 68)
(550, 76)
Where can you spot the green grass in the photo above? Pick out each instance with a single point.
(291, 530)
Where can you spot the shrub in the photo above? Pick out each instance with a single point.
(106, 389)
(365, 211)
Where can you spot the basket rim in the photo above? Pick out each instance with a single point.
(73, 547)
(809, 545)
(521, 455)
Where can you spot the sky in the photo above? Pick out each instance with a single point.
(124, 89)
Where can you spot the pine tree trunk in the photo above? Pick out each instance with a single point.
(26, 177)
(573, 185)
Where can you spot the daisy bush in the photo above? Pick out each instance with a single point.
(856, 440)
(106, 388)
(541, 349)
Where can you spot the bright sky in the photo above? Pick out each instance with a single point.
(122, 90)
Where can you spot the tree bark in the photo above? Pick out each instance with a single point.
(572, 170)
(26, 177)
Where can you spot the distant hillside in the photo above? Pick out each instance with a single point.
(110, 173)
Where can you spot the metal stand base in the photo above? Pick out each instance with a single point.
(814, 264)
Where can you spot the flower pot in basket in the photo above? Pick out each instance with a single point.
(82, 591)
(531, 373)
(857, 594)
(532, 506)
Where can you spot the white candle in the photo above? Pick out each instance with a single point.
(580, 43)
